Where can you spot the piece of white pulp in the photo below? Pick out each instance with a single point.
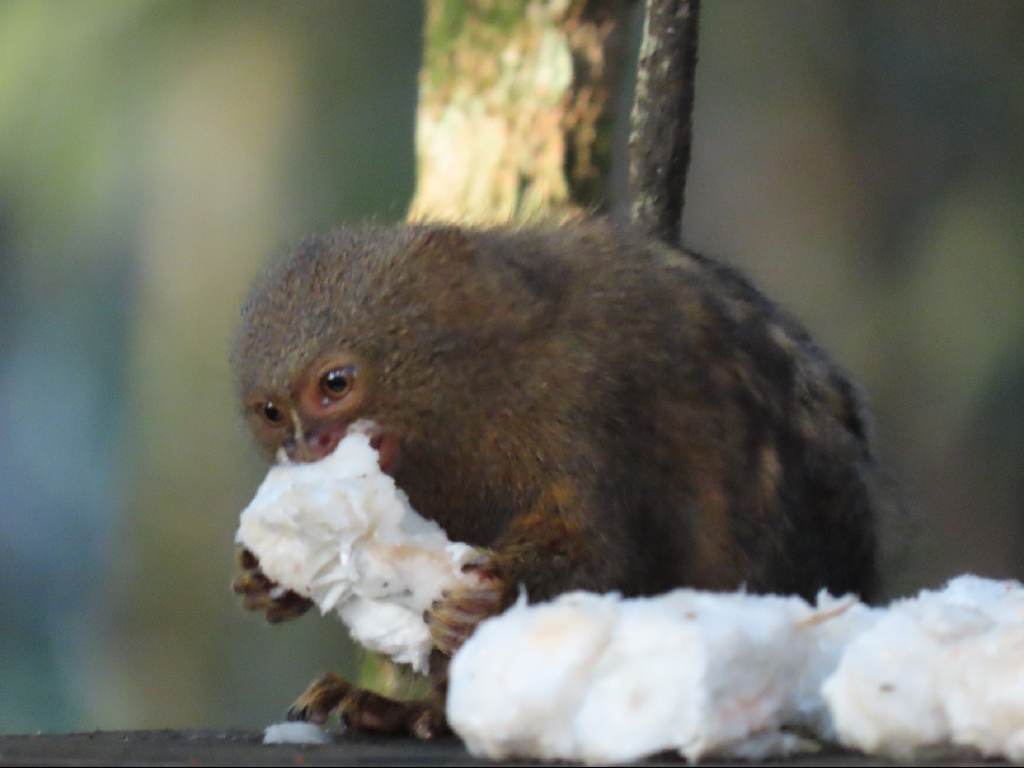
(338, 531)
(606, 680)
(945, 667)
(295, 733)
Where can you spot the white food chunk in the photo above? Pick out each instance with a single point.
(607, 680)
(341, 533)
(705, 673)
(945, 667)
(295, 733)
(516, 685)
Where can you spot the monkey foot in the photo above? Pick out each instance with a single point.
(259, 593)
(363, 711)
(454, 617)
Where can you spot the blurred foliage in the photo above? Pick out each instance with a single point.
(863, 161)
(152, 155)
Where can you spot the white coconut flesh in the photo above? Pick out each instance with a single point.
(607, 680)
(341, 533)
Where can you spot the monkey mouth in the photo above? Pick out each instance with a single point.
(387, 444)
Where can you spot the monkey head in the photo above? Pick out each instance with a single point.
(384, 324)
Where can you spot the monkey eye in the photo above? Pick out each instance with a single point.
(271, 413)
(337, 382)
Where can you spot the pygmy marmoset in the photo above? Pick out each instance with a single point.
(594, 409)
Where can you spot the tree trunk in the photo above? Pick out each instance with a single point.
(514, 121)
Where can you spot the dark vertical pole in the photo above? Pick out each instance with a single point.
(659, 140)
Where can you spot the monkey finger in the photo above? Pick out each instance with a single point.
(429, 724)
(317, 701)
(289, 606)
(251, 583)
(247, 559)
(367, 712)
(455, 617)
(257, 601)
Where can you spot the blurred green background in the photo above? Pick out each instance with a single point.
(863, 161)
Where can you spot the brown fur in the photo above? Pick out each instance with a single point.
(592, 409)
(601, 411)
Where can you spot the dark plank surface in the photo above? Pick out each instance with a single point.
(172, 747)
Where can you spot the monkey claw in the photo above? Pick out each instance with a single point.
(261, 594)
(454, 617)
(364, 711)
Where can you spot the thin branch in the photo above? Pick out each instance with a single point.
(659, 141)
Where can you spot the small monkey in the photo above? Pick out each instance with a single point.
(592, 409)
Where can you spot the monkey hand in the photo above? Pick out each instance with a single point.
(259, 593)
(454, 617)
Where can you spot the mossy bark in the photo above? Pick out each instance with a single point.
(514, 121)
